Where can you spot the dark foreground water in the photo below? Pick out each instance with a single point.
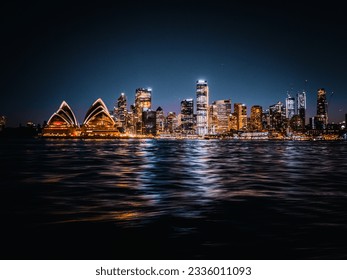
(161, 199)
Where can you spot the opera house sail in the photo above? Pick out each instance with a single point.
(98, 122)
(62, 123)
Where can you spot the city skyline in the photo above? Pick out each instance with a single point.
(252, 53)
(289, 96)
(210, 119)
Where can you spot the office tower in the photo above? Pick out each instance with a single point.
(187, 115)
(160, 120)
(290, 107)
(171, 122)
(322, 115)
(120, 112)
(201, 107)
(232, 122)
(240, 111)
(296, 123)
(219, 113)
(277, 116)
(143, 98)
(256, 118)
(301, 105)
(149, 122)
(265, 119)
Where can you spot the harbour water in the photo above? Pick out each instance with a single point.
(173, 199)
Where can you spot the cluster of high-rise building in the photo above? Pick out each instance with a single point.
(216, 118)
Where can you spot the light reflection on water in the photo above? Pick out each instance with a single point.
(135, 182)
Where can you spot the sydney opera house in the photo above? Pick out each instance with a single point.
(97, 122)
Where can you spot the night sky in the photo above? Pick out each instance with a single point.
(251, 53)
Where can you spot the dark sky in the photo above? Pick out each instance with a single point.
(252, 53)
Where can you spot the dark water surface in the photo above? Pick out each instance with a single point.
(169, 199)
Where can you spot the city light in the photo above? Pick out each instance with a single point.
(202, 120)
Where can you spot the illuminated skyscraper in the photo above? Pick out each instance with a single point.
(143, 99)
(322, 116)
(187, 114)
(219, 113)
(149, 122)
(240, 112)
(160, 120)
(290, 107)
(301, 104)
(171, 122)
(277, 116)
(256, 118)
(232, 122)
(120, 112)
(201, 107)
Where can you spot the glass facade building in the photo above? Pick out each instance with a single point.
(290, 107)
(256, 121)
(143, 101)
(219, 113)
(321, 119)
(120, 112)
(240, 112)
(187, 115)
(301, 105)
(202, 93)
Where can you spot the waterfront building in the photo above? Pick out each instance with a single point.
(149, 122)
(130, 128)
(240, 111)
(301, 106)
(98, 121)
(232, 122)
(296, 123)
(171, 122)
(62, 123)
(160, 120)
(277, 116)
(132, 120)
(187, 115)
(120, 112)
(179, 120)
(143, 100)
(219, 113)
(265, 119)
(212, 119)
(202, 96)
(321, 118)
(290, 107)
(256, 118)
